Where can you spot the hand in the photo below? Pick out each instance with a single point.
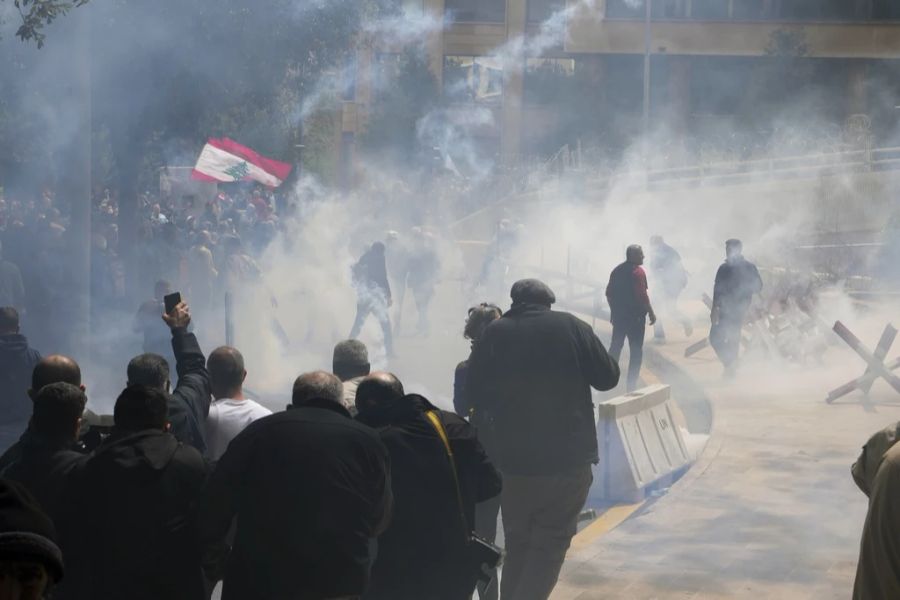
(179, 318)
(652, 316)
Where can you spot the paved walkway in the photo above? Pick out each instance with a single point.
(768, 511)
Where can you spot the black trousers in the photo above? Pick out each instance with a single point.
(632, 329)
(725, 337)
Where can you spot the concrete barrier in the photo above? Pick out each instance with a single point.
(640, 443)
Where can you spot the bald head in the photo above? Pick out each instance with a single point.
(378, 390)
(634, 254)
(55, 368)
(318, 385)
(226, 372)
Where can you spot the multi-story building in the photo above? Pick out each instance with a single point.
(713, 64)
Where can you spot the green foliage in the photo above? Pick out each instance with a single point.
(36, 14)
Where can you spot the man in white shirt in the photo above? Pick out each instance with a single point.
(350, 363)
(230, 411)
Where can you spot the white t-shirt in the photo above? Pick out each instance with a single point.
(226, 419)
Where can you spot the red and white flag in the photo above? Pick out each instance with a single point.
(227, 161)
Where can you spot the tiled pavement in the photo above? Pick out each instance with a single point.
(768, 511)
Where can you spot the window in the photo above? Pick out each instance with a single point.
(625, 9)
(476, 11)
(669, 9)
(886, 10)
(819, 9)
(473, 79)
(547, 79)
(709, 9)
(751, 10)
(541, 10)
(348, 85)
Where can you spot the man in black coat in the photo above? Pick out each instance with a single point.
(127, 522)
(310, 490)
(532, 371)
(189, 403)
(736, 281)
(423, 553)
(17, 361)
(373, 293)
(45, 454)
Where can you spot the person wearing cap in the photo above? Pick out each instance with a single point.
(350, 363)
(31, 562)
(736, 281)
(629, 306)
(533, 370)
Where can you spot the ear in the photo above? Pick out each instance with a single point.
(83, 387)
(168, 427)
(31, 394)
(77, 428)
(168, 387)
(244, 377)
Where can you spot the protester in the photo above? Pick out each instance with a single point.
(231, 411)
(532, 370)
(30, 559)
(127, 522)
(350, 363)
(423, 267)
(189, 403)
(424, 552)
(309, 482)
(629, 306)
(17, 361)
(670, 279)
(45, 455)
(736, 281)
(12, 290)
(486, 512)
(373, 293)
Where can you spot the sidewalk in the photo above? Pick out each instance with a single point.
(769, 511)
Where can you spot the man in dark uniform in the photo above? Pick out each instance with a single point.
(373, 293)
(736, 282)
(629, 306)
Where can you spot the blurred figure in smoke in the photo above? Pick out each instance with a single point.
(670, 279)
(310, 490)
(737, 280)
(629, 305)
(12, 291)
(532, 370)
(157, 338)
(373, 293)
(202, 273)
(424, 266)
(350, 362)
(486, 513)
(423, 553)
(17, 361)
(496, 264)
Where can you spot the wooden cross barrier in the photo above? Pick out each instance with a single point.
(875, 367)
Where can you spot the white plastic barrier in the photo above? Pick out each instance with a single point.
(640, 444)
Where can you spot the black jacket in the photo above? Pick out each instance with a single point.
(42, 466)
(310, 488)
(189, 403)
(532, 371)
(736, 282)
(17, 361)
(421, 555)
(370, 273)
(127, 526)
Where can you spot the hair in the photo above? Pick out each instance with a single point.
(57, 408)
(161, 288)
(734, 243)
(317, 385)
(226, 370)
(9, 319)
(55, 368)
(632, 250)
(350, 359)
(141, 407)
(378, 389)
(148, 370)
(479, 318)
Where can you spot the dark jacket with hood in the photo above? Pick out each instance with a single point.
(17, 361)
(533, 370)
(189, 403)
(310, 488)
(370, 273)
(41, 465)
(421, 555)
(127, 527)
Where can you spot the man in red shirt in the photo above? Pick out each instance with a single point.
(629, 306)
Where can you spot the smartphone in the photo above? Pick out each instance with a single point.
(171, 301)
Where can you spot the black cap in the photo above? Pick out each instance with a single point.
(26, 532)
(532, 291)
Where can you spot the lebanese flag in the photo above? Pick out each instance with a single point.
(227, 161)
